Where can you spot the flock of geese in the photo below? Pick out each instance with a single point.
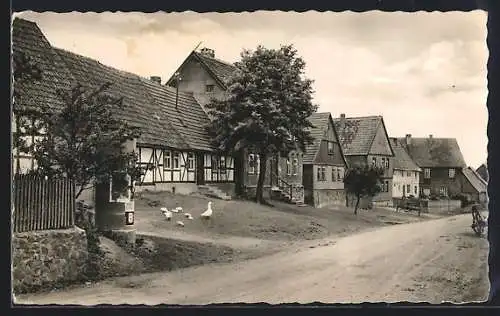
(169, 214)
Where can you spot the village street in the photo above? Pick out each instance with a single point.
(432, 261)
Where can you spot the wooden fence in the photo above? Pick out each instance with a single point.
(41, 204)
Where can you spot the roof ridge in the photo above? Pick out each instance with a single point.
(360, 117)
(215, 59)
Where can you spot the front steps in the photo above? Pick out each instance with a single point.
(280, 195)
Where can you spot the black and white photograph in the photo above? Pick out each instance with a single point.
(278, 157)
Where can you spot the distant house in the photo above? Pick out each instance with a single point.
(441, 162)
(324, 164)
(174, 149)
(205, 77)
(406, 176)
(475, 188)
(483, 172)
(365, 141)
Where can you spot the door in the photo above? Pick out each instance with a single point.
(404, 190)
(200, 169)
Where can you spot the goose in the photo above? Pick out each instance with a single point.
(163, 210)
(188, 216)
(208, 213)
(179, 209)
(167, 214)
(180, 223)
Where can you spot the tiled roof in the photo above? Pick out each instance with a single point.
(435, 152)
(189, 119)
(483, 171)
(29, 40)
(320, 123)
(149, 106)
(475, 180)
(221, 69)
(357, 134)
(402, 161)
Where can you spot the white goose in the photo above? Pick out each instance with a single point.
(180, 223)
(178, 209)
(188, 216)
(208, 213)
(166, 213)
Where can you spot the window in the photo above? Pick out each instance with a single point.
(288, 167)
(253, 164)
(321, 176)
(334, 174)
(190, 162)
(331, 148)
(167, 160)
(175, 159)
(408, 173)
(416, 190)
(340, 174)
(451, 173)
(209, 88)
(295, 166)
(443, 191)
(374, 161)
(385, 186)
(387, 163)
(427, 173)
(382, 163)
(408, 188)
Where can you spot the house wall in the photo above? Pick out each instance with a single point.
(382, 197)
(323, 156)
(195, 79)
(401, 179)
(439, 178)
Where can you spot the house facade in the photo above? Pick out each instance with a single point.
(475, 188)
(365, 141)
(441, 162)
(174, 149)
(324, 164)
(205, 77)
(406, 175)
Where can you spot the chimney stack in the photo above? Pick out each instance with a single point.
(208, 52)
(342, 121)
(430, 136)
(408, 139)
(156, 79)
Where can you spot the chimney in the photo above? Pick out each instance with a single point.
(156, 79)
(208, 52)
(430, 136)
(408, 139)
(342, 121)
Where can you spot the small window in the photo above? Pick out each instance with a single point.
(416, 190)
(382, 162)
(427, 173)
(252, 163)
(167, 160)
(408, 173)
(374, 161)
(175, 159)
(408, 188)
(331, 148)
(209, 88)
(340, 174)
(387, 165)
(443, 191)
(321, 176)
(288, 167)
(295, 166)
(191, 161)
(334, 174)
(451, 173)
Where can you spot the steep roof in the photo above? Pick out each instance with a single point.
(218, 69)
(320, 122)
(29, 40)
(475, 180)
(149, 106)
(402, 161)
(483, 171)
(357, 133)
(435, 152)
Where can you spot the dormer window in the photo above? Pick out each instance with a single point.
(209, 88)
(331, 148)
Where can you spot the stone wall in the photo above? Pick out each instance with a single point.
(326, 198)
(298, 192)
(47, 258)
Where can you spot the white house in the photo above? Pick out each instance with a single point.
(406, 174)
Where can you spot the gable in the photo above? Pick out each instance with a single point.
(380, 144)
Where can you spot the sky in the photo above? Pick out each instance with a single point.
(425, 73)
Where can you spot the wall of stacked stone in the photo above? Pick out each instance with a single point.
(47, 258)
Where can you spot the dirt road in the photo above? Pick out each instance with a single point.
(433, 261)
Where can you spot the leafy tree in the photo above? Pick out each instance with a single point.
(266, 107)
(84, 140)
(363, 181)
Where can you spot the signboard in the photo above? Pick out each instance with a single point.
(129, 213)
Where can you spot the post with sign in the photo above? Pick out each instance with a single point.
(115, 206)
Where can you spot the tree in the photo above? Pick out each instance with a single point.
(84, 140)
(266, 107)
(363, 181)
